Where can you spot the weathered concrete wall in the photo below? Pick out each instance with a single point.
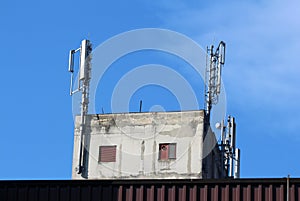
(137, 137)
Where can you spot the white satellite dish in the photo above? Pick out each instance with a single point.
(218, 125)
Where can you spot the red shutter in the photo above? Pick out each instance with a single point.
(163, 152)
(107, 154)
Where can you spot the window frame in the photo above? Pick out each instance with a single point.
(170, 156)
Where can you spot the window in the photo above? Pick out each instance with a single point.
(167, 151)
(107, 153)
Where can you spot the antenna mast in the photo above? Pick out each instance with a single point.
(213, 75)
(229, 153)
(83, 87)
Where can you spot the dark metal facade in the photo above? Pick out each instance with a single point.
(148, 190)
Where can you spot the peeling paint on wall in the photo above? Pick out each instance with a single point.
(137, 137)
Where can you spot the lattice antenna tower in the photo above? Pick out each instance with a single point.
(214, 64)
(230, 154)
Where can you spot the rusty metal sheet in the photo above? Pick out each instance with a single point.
(150, 190)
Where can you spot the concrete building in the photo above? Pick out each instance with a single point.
(156, 145)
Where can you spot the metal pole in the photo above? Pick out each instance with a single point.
(141, 103)
(83, 86)
(288, 188)
(237, 163)
(81, 130)
(84, 78)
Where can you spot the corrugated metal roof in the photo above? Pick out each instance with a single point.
(177, 190)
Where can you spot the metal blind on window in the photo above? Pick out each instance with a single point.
(107, 153)
(172, 151)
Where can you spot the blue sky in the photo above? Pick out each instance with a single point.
(261, 75)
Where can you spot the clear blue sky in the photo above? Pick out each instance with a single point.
(261, 75)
